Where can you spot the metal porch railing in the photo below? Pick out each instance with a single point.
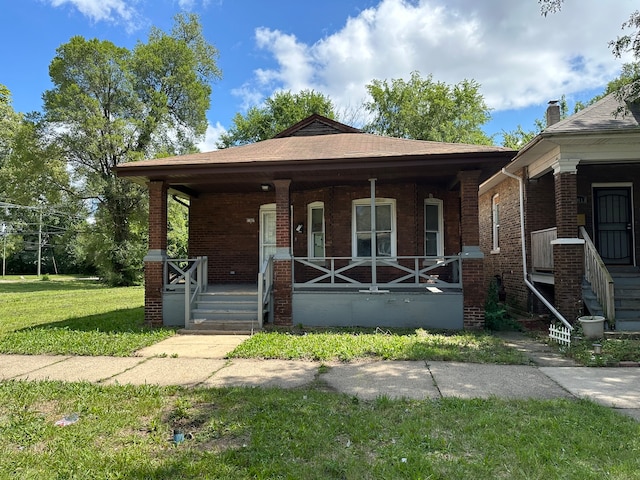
(265, 290)
(190, 274)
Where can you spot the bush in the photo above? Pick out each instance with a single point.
(496, 317)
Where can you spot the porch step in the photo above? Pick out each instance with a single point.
(199, 314)
(228, 310)
(225, 327)
(627, 298)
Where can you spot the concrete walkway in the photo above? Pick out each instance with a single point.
(190, 360)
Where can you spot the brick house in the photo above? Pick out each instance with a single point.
(571, 198)
(322, 225)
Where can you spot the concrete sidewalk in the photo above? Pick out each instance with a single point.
(192, 361)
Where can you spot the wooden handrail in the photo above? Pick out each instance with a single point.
(596, 273)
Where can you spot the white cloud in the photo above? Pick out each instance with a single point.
(211, 137)
(518, 56)
(114, 11)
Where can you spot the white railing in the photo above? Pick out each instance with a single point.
(432, 273)
(596, 273)
(265, 288)
(191, 275)
(542, 250)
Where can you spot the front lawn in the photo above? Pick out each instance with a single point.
(248, 433)
(351, 344)
(72, 316)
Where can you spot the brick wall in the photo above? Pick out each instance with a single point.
(507, 262)
(226, 228)
(566, 204)
(153, 293)
(153, 270)
(469, 228)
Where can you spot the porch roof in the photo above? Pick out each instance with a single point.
(319, 159)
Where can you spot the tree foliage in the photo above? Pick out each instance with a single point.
(278, 113)
(519, 137)
(424, 109)
(110, 105)
(9, 123)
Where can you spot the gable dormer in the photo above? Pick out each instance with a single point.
(316, 125)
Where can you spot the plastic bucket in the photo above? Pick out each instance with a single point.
(592, 326)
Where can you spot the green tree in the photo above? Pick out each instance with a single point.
(278, 113)
(9, 124)
(519, 137)
(111, 105)
(423, 109)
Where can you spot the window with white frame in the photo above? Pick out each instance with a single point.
(495, 223)
(385, 228)
(315, 228)
(433, 227)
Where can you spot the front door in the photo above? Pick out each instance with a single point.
(613, 224)
(267, 231)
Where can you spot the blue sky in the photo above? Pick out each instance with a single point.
(520, 58)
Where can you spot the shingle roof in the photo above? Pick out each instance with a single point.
(599, 117)
(321, 147)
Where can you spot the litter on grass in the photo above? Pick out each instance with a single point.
(68, 420)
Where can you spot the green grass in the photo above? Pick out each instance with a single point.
(67, 315)
(125, 432)
(614, 350)
(387, 345)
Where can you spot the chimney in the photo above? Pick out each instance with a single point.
(553, 113)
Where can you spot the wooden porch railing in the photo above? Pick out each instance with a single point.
(265, 288)
(190, 274)
(542, 250)
(596, 273)
(433, 273)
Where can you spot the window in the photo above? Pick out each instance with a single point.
(315, 227)
(495, 222)
(385, 228)
(433, 228)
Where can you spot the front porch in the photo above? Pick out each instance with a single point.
(612, 291)
(403, 292)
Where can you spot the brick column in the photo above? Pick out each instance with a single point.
(473, 285)
(282, 263)
(568, 249)
(157, 254)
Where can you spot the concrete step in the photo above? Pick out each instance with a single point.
(227, 305)
(238, 327)
(224, 314)
(238, 296)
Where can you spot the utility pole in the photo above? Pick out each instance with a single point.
(40, 243)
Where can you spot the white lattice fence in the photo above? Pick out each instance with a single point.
(560, 334)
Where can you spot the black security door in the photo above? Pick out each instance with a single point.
(613, 230)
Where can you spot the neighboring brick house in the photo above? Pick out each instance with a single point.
(580, 199)
(334, 226)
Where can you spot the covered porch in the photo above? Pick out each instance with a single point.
(340, 228)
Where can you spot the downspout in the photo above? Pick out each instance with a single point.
(525, 274)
